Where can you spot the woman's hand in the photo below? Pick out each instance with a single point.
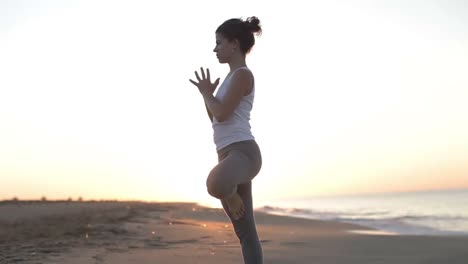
(204, 84)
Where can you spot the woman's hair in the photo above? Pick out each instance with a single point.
(242, 30)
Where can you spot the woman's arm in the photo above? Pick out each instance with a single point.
(241, 82)
(210, 115)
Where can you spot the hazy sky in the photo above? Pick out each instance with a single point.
(351, 97)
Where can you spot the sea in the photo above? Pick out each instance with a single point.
(411, 213)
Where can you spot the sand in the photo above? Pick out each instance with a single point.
(136, 232)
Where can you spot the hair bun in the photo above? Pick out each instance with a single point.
(253, 25)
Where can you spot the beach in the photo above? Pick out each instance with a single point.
(139, 232)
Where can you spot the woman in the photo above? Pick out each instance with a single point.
(229, 110)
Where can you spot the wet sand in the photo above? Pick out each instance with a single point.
(137, 232)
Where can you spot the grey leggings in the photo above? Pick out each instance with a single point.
(238, 164)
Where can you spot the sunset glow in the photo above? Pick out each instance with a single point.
(352, 97)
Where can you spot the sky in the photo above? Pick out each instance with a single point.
(352, 97)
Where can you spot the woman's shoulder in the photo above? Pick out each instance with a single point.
(243, 76)
(243, 72)
(243, 68)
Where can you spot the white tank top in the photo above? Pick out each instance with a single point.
(237, 126)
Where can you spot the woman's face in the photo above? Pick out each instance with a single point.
(224, 48)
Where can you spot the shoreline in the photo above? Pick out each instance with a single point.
(128, 232)
(374, 230)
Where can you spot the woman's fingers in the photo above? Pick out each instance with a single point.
(193, 82)
(202, 73)
(204, 78)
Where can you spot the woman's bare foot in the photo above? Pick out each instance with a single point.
(235, 206)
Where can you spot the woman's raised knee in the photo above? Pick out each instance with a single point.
(218, 188)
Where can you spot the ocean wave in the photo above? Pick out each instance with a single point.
(408, 224)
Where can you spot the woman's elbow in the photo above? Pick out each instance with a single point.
(221, 117)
